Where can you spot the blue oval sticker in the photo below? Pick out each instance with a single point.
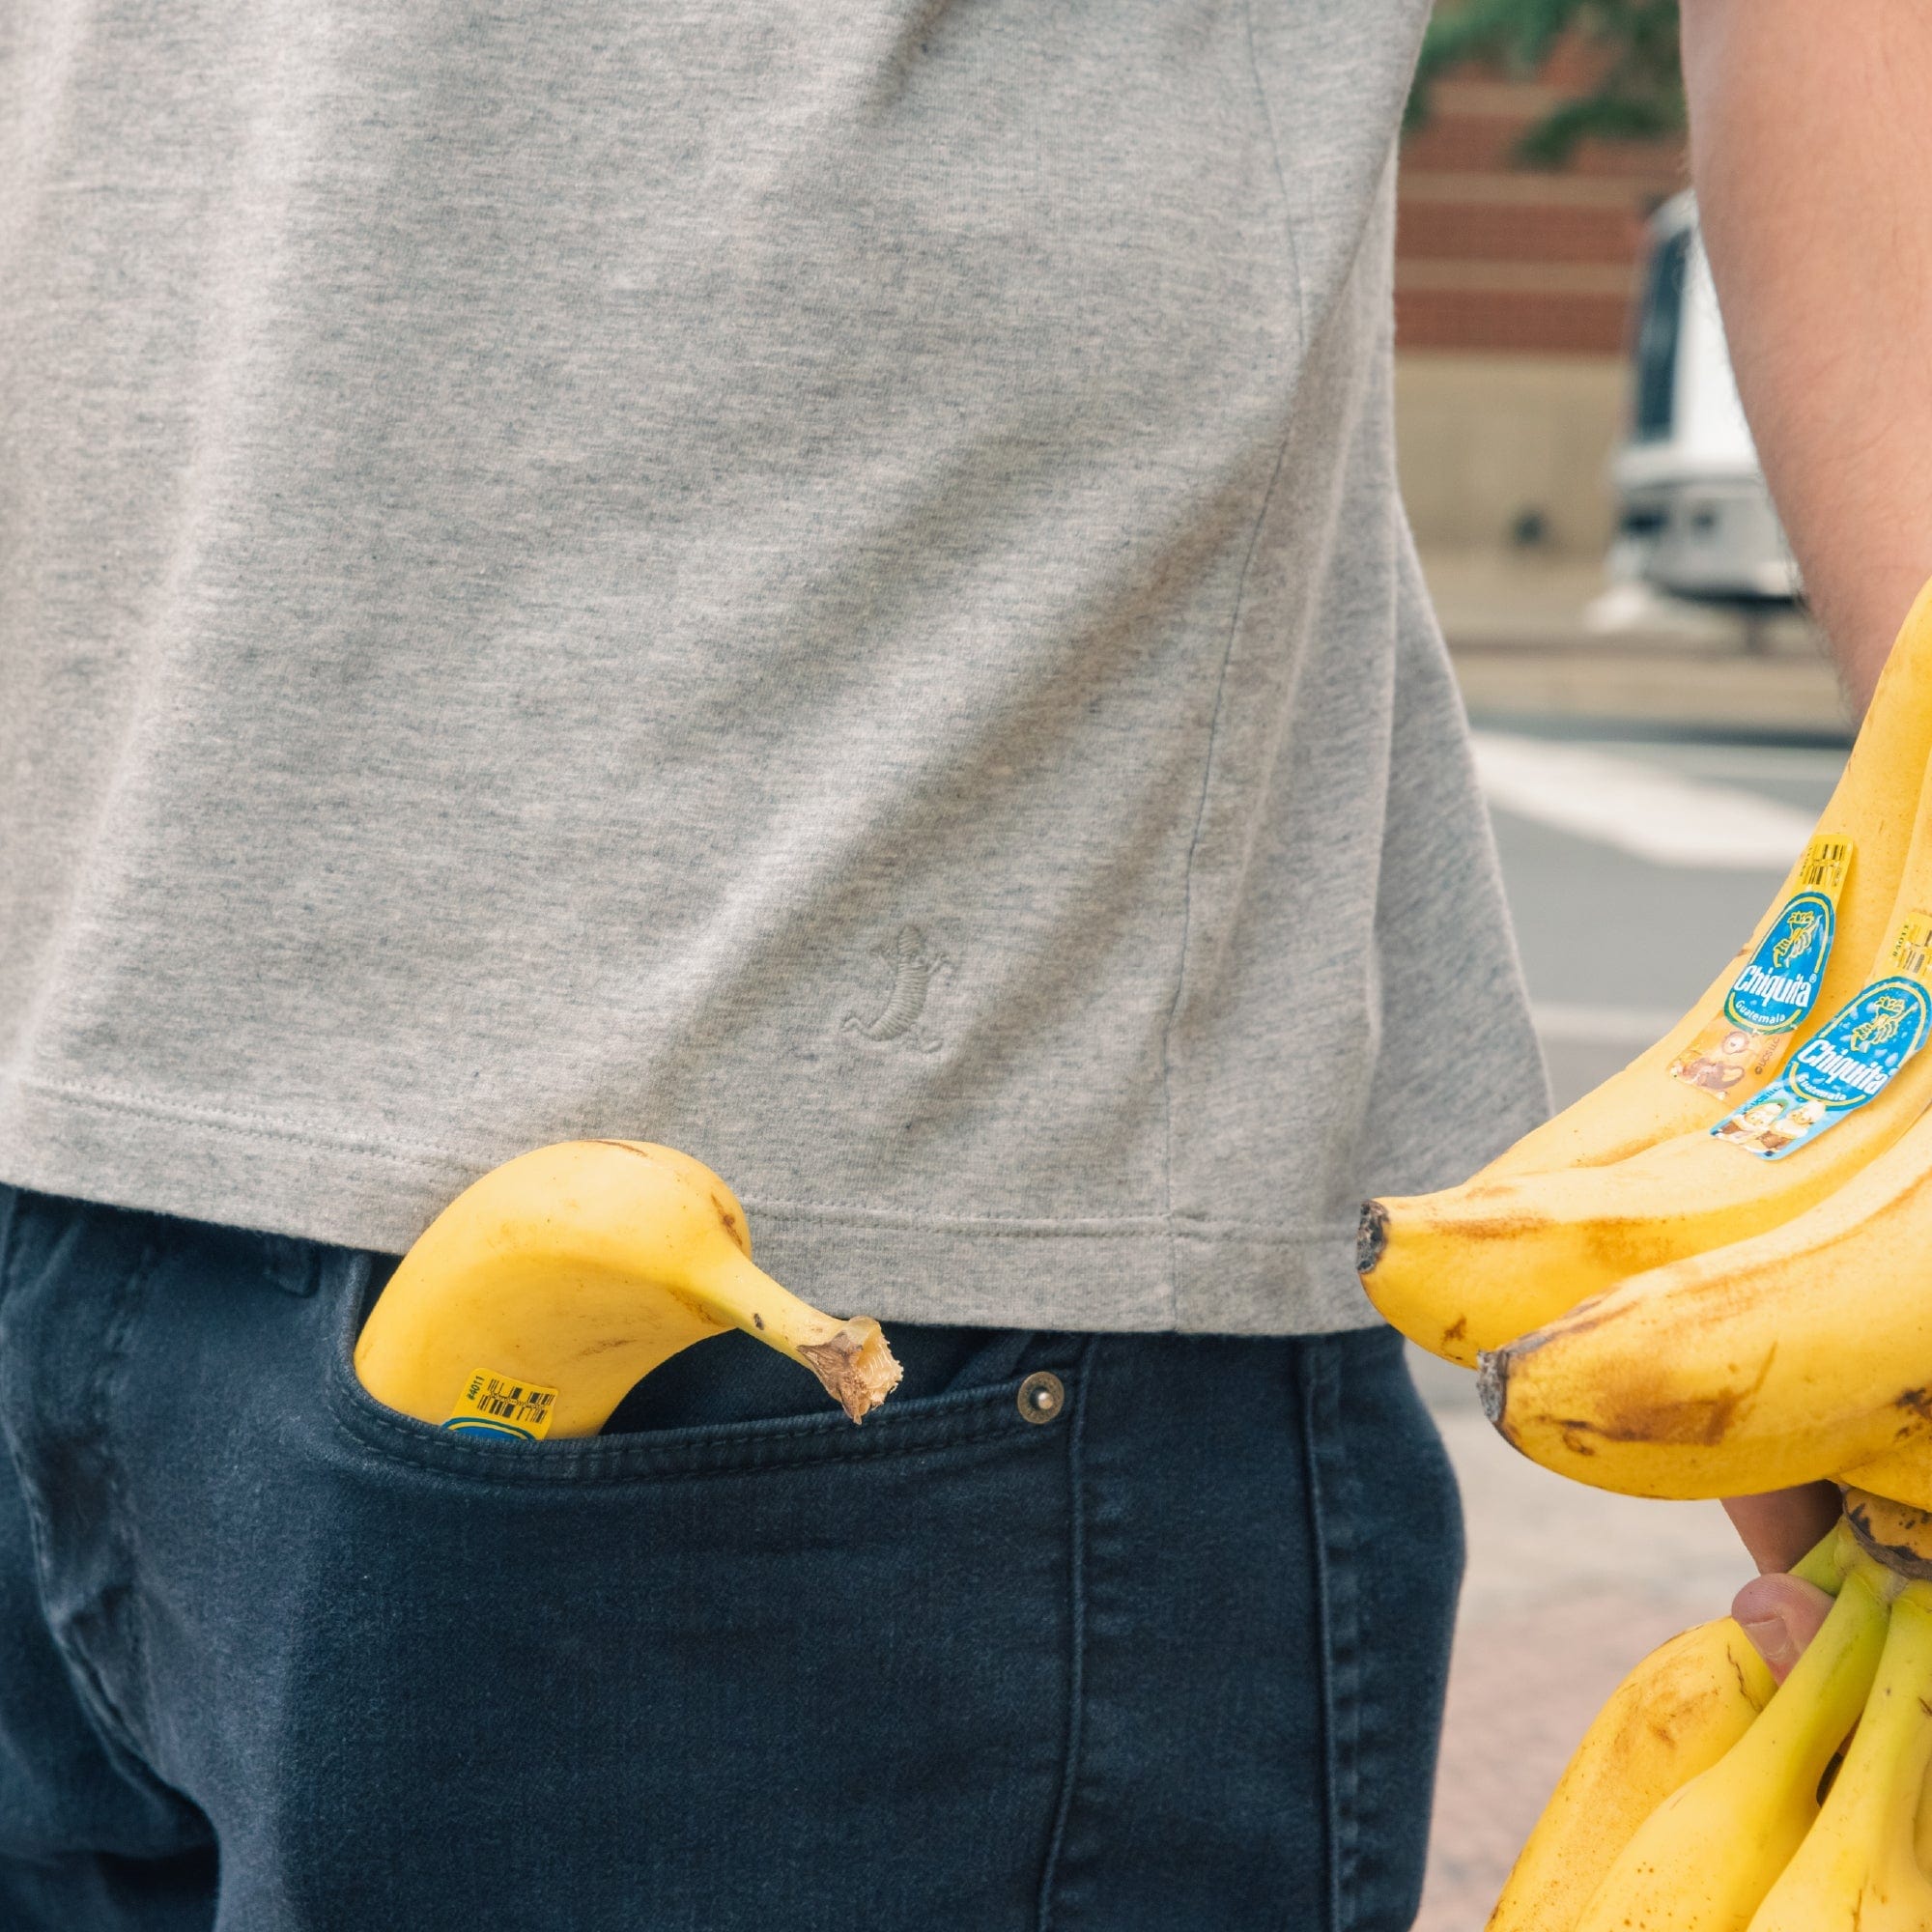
(1778, 986)
(1839, 1069)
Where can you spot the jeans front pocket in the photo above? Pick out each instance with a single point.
(802, 1425)
(713, 1676)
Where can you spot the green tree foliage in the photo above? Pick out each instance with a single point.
(1638, 96)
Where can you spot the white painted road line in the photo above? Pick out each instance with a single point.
(1638, 808)
(1633, 1027)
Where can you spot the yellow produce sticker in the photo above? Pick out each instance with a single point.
(505, 1405)
(1849, 1061)
(1780, 983)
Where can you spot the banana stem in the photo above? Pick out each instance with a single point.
(1827, 1559)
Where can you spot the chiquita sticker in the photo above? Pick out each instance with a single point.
(1848, 1062)
(1779, 984)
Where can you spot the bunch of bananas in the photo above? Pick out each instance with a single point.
(1694, 1800)
(544, 1291)
(1703, 1280)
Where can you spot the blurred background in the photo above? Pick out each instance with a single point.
(1656, 725)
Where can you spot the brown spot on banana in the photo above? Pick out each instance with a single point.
(733, 1227)
(1701, 1421)
(1500, 1227)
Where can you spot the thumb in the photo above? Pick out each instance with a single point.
(1780, 1615)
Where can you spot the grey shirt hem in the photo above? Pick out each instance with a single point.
(1145, 1273)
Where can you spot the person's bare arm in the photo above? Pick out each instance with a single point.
(1811, 154)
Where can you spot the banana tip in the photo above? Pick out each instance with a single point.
(1371, 1236)
(1493, 1384)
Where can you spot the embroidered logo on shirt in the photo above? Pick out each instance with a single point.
(901, 1018)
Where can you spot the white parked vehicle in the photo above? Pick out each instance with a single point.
(1696, 519)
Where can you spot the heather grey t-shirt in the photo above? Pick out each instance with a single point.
(821, 583)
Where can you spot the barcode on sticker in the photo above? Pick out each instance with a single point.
(505, 1405)
(1824, 863)
(1914, 947)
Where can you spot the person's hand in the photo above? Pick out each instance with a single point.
(1777, 1528)
(1781, 1614)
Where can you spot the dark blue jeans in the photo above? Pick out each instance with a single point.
(274, 1657)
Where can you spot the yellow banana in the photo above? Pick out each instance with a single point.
(1674, 1715)
(1478, 1266)
(1873, 808)
(542, 1293)
(1897, 1535)
(1858, 1869)
(1903, 1474)
(1802, 1352)
(1704, 1860)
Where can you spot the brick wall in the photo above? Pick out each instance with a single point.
(1494, 256)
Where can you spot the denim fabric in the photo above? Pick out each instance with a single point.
(272, 1656)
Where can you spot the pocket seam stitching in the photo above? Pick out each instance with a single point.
(654, 1456)
(610, 1464)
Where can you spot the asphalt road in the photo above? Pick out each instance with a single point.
(1616, 943)
(1635, 868)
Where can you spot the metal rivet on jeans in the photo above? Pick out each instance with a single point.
(1042, 1396)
